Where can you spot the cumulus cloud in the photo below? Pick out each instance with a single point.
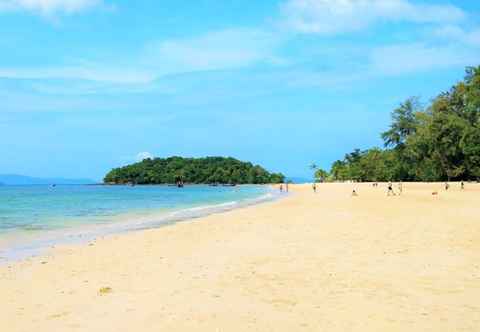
(340, 16)
(143, 155)
(49, 7)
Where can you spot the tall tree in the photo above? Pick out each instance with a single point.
(403, 123)
(441, 142)
(321, 175)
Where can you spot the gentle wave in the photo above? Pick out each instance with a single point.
(22, 247)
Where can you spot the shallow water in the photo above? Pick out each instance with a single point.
(36, 217)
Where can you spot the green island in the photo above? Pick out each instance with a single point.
(209, 170)
(438, 142)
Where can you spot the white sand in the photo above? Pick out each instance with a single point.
(324, 262)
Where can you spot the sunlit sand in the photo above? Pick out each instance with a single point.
(309, 262)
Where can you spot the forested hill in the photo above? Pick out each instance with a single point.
(192, 170)
(438, 142)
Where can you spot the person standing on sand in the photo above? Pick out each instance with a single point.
(314, 187)
(462, 185)
(390, 191)
(400, 188)
(447, 186)
(281, 188)
(286, 186)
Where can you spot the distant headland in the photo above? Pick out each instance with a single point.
(208, 170)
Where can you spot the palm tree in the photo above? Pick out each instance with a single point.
(321, 175)
(314, 168)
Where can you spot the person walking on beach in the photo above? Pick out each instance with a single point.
(390, 191)
(447, 186)
(281, 188)
(462, 185)
(400, 188)
(314, 187)
(286, 186)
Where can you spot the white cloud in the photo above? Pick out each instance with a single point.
(458, 34)
(49, 7)
(92, 72)
(219, 50)
(225, 49)
(339, 16)
(143, 155)
(417, 57)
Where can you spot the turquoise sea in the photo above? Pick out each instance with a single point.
(36, 217)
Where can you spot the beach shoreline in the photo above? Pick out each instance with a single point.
(17, 246)
(309, 262)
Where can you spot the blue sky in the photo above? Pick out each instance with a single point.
(87, 85)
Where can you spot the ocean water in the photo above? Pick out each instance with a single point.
(33, 218)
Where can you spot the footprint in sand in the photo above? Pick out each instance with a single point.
(59, 315)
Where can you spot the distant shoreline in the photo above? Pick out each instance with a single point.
(29, 245)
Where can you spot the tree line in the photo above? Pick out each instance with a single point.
(209, 170)
(439, 142)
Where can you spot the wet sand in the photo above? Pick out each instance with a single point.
(309, 262)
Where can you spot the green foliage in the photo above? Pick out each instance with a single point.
(403, 124)
(441, 142)
(192, 170)
(321, 175)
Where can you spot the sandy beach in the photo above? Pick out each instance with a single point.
(308, 262)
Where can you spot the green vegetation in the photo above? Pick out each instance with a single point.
(321, 175)
(437, 143)
(192, 170)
